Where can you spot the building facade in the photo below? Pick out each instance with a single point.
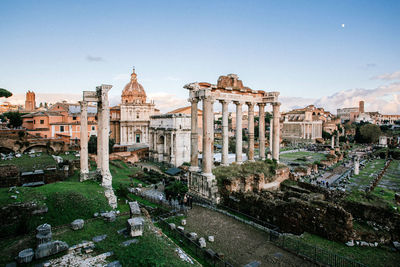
(135, 114)
(170, 138)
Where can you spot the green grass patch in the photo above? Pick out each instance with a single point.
(366, 255)
(26, 163)
(302, 157)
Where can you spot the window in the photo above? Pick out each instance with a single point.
(34, 121)
(38, 134)
(93, 128)
(45, 136)
(62, 128)
(74, 118)
(41, 121)
(137, 115)
(137, 138)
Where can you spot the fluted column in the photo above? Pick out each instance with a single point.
(99, 137)
(270, 138)
(239, 117)
(194, 142)
(207, 136)
(225, 136)
(250, 153)
(84, 142)
(261, 129)
(276, 131)
(105, 132)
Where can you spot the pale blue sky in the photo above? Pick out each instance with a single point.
(296, 47)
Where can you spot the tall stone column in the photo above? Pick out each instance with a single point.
(172, 157)
(194, 142)
(102, 91)
(276, 130)
(250, 153)
(356, 166)
(239, 117)
(207, 136)
(84, 174)
(99, 138)
(270, 138)
(225, 136)
(261, 129)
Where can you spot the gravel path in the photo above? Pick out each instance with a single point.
(240, 243)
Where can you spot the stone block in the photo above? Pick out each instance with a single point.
(99, 238)
(183, 222)
(350, 243)
(180, 228)
(43, 238)
(253, 264)
(172, 226)
(114, 264)
(134, 208)
(50, 248)
(77, 224)
(109, 216)
(211, 238)
(129, 242)
(193, 236)
(25, 255)
(202, 242)
(135, 226)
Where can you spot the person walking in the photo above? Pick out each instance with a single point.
(185, 198)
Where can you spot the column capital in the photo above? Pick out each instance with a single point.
(261, 104)
(83, 104)
(276, 104)
(250, 105)
(238, 103)
(193, 100)
(224, 101)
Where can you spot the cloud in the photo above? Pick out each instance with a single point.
(385, 99)
(19, 98)
(388, 76)
(166, 102)
(94, 59)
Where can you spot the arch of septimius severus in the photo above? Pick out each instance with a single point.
(229, 89)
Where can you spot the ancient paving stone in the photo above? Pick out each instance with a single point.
(77, 224)
(193, 236)
(99, 238)
(253, 264)
(128, 242)
(211, 238)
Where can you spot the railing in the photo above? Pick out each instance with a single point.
(293, 244)
(311, 252)
(206, 256)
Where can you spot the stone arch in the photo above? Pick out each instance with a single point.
(160, 147)
(39, 148)
(6, 150)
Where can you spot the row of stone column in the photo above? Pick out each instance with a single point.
(208, 133)
(103, 131)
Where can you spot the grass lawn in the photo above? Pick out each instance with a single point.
(298, 156)
(120, 172)
(152, 250)
(26, 163)
(366, 255)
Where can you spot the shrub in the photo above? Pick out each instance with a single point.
(176, 188)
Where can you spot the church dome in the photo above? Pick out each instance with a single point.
(133, 92)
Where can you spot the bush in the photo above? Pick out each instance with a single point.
(176, 188)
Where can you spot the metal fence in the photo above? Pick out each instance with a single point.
(311, 252)
(207, 257)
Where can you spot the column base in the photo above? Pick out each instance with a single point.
(112, 199)
(194, 168)
(84, 175)
(204, 185)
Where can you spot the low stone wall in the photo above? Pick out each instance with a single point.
(9, 175)
(295, 212)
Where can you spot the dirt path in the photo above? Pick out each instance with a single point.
(240, 243)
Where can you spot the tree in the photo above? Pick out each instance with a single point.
(5, 93)
(370, 133)
(15, 119)
(326, 135)
(92, 145)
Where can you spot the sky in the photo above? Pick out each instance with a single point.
(329, 53)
